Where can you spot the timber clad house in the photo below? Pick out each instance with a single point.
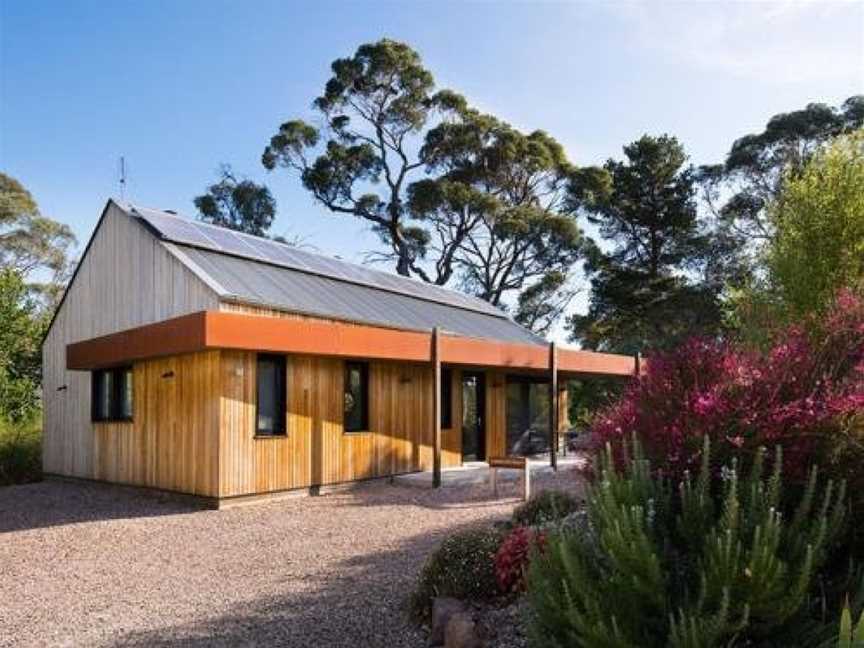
(191, 358)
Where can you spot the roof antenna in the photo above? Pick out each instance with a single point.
(122, 178)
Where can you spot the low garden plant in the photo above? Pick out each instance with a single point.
(462, 567)
(707, 561)
(20, 452)
(514, 556)
(544, 507)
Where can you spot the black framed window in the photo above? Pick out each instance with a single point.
(446, 399)
(112, 395)
(356, 397)
(270, 389)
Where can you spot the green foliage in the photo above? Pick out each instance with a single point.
(703, 563)
(504, 191)
(655, 287)
(31, 244)
(544, 507)
(541, 304)
(20, 452)
(851, 635)
(21, 328)
(463, 567)
(457, 197)
(240, 205)
(759, 164)
(819, 220)
(585, 398)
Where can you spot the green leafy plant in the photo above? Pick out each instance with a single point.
(20, 452)
(463, 567)
(697, 563)
(544, 507)
(851, 636)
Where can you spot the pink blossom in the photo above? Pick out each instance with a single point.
(793, 394)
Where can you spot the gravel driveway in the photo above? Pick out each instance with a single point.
(91, 564)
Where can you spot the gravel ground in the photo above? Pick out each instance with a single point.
(91, 564)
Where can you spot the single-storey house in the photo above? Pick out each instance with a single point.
(192, 358)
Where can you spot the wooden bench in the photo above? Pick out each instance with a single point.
(512, 463)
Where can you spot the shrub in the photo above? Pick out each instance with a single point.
(463, 567)
(806, 394)
(20, 452)
(675, 566)
(544, 507)
(512, 559)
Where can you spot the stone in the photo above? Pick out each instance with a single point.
(461, 632)
(443, 608)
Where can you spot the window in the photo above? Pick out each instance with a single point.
(446, 399)
(356, 396)
(112, 395)
(270, 411)
(527, 415)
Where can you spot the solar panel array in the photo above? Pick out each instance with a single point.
(210, 237)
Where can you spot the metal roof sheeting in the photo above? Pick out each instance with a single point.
(253, 282)
(170, 227)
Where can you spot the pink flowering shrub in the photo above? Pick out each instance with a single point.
(806, 394)
(512, 559)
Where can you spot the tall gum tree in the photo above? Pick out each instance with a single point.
(457, 197)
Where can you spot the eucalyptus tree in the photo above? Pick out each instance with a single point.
(758, 164)
(33, 245)
(457, 197)
(241, 205)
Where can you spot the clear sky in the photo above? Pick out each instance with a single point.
(178, 87)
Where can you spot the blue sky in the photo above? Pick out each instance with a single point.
(179, 87)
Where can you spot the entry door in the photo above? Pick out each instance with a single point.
(473, 410)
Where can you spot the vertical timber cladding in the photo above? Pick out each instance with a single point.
(316, 450)
(171, 443)
(125, 279)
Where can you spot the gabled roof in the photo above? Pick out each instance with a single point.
(257, 271)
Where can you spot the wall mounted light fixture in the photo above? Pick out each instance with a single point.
(168, 374)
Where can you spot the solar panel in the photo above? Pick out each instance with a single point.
(202, 235)
(228, 241)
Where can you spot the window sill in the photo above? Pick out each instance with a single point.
(356, 432)
(120, 420)
(261, 437)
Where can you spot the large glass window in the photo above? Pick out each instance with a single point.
(356, 397)
(270, 417)
(112, 395)
(527, 415)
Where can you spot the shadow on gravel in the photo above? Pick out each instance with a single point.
(361, 603)
(462, 496)
(55, 503)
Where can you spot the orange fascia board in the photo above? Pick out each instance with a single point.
(488, 353)
(178, 335)
(225, 330)
(593, 363)
(220, 330)
(315, 337)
